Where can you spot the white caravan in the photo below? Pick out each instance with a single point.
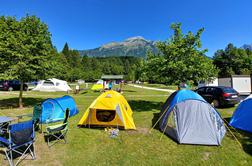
(241, 83)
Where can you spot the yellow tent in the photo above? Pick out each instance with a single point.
(109, 109)
(97, 87)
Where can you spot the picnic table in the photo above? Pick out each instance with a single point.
(4, 122)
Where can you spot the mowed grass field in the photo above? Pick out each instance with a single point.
(94, 146)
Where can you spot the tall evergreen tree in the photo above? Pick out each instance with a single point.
(65, 49)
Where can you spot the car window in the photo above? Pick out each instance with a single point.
(209, 90)
(229, 90)
(217, 91)
(200, 90)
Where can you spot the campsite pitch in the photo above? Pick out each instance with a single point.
(131, 147)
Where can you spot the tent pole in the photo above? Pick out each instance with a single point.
(164, 131)
(116, 122)
(41, 130)
(158, 120)
(232, 133)
(89, 119)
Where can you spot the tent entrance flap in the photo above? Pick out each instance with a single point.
(105, 115)
(171, 126)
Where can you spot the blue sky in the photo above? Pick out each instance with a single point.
(88, 24)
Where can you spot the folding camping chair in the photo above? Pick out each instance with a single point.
(20, 142)
(57, 131)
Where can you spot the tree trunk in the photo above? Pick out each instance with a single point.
(21, 95)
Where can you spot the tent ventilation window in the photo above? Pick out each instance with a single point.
(48, 83)
(105, 115)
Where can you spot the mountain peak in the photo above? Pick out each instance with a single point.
(247, 46)
(133, 46)
(135, 38)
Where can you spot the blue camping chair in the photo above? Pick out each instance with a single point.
(21, 139)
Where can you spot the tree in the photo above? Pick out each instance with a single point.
(180, 59)
(233, 60)
(25, 47)
(65, 50)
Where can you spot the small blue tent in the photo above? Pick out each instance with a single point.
(188, 119)
(54, 109)
(242, 117)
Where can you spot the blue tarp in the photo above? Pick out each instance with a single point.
(54, 109)
(242, 117)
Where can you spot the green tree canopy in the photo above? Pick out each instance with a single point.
(180, 59)
(25, 49)
(233, 60)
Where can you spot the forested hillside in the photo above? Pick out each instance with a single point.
(91, 68)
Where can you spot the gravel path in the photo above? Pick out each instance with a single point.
(151, 88)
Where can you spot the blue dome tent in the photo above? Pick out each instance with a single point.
(242, 116)
(54, 109)
(188, 119)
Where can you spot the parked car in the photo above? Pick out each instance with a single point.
(219, 95)
(12, 85)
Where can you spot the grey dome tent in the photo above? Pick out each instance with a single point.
(188, 119)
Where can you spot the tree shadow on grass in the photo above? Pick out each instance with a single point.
(83, 92)
(155, 122)
(13, 102)
(143, 105)
(245, 138)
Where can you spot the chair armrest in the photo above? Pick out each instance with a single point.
(54, 120)
(4, 141)
(55, 128)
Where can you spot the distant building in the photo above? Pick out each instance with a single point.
(115, 78)
(241, 83)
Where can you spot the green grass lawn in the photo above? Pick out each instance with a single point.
(94, 147)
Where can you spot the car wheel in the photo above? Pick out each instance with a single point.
(215, 103)
(10, 89)
(231, 105)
